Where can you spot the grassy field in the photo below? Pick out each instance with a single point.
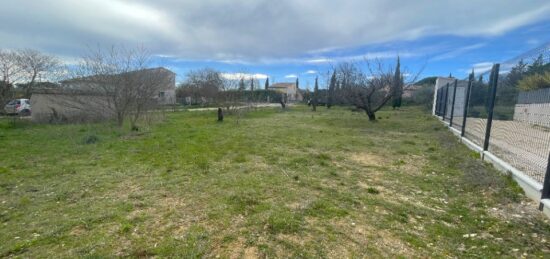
(276, 184)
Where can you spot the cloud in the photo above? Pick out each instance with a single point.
(480, 68)
(243, 31)
(245, 76)
(367, 55)
(311, 72)
(457, 52)
(291, 76)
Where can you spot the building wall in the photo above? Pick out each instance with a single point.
(535, 113)
(169, 97)
(51, 108)
(440, 82)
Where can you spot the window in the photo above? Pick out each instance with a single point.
(161, 94)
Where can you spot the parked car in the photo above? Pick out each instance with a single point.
(20, 107)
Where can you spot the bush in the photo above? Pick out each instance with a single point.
(422, 96)
(535, 81)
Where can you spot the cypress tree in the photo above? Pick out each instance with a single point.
(266, 83)
(241, 84)
(331, 90)
(398, 86)
(315, 94)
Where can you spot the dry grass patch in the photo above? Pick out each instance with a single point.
(369, 159)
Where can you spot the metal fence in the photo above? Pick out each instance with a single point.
(500, 118)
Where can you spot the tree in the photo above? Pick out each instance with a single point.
(315, 95)
(252, 84)
(331, 88)
(297, 84)
(537, 66)
(33, 64)
(8, 66)
(8, 69)
(397, 86)
(241, 84)
(266, 84)
(368, 88)
(201, 84)
(516, 73)
(117, 82)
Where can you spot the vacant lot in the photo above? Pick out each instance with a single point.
(276, 184)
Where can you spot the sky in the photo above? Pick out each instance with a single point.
(284, 39)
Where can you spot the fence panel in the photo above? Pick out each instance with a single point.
(460, 98)
(476, 117)
(521, 127)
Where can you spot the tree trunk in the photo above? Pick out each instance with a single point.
(372, 116)
(119, 119)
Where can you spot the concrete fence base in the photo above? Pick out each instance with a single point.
(532, 188)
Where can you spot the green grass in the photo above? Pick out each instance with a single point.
(276, 184)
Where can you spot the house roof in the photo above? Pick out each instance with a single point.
(146, 70)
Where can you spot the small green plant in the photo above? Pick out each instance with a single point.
(125, 227)
(373, 190)
(90, 139)
(284, 221)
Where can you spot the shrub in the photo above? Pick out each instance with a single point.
(535, 81)
(422, 96)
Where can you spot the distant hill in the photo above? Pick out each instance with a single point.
(427, 81)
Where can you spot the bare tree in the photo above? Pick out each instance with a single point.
(8, 70)
(369, 87)
(8, 66)
(121, 82)
(202, 85)
(33, 65)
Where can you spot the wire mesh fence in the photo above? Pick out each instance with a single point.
(502, 115)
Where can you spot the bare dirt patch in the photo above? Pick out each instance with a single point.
(368, 159)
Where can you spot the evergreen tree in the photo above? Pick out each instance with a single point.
(331, 88)
(397, 86)
(241, 85)
(252, 84)
(537, 66)
(516, 73)
(297, 84)
(315, 95)
(266, 83)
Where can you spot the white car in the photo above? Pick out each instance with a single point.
(20, 107)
